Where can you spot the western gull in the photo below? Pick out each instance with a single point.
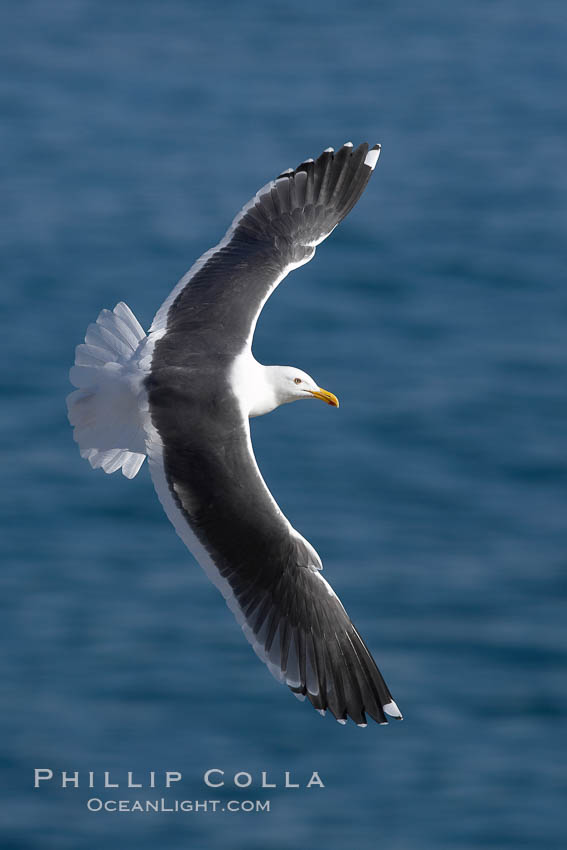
(182, 396)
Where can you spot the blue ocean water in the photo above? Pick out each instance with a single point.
(436, 495)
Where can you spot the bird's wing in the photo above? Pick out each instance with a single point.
(207, 479)
(274, 233)
(201, 457)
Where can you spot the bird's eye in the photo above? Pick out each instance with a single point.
(297, 380)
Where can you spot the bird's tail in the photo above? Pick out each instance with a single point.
(105, 407)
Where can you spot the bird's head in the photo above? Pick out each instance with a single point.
(291, 384)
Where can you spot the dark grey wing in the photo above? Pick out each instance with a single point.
(207, 479)
(199, 448)
(275, 232)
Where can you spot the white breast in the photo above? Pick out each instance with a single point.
(250, 384)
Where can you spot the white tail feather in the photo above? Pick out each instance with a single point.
(105, 408)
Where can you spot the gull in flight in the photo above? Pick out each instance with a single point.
(182, 395)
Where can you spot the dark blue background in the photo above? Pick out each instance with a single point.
(132, 133)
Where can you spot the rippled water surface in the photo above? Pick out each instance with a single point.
(132, 133)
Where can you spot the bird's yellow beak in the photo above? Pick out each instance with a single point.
(329, 398)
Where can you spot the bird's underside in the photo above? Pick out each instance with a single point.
(186, 394)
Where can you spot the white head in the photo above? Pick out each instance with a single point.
(283, 384)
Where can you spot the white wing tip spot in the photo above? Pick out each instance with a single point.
(372, 158)
(341, 721)
(348, 145)
(392, 709)
(321, 711)
(329, 150)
